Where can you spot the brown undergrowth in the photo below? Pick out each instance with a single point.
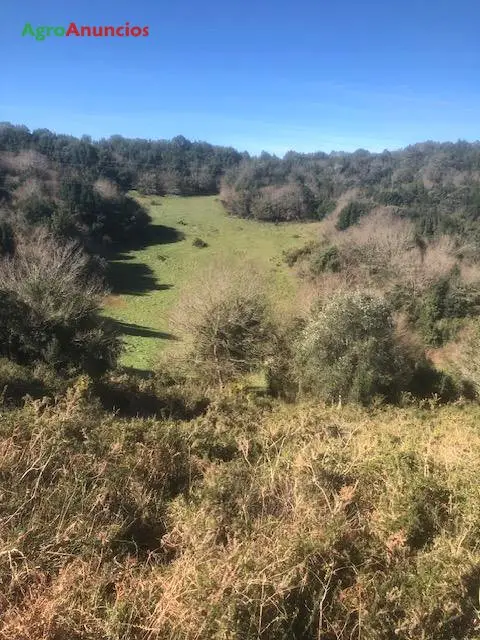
(271, 522)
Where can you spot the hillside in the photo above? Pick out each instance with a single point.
(435, 185)
(248, 523)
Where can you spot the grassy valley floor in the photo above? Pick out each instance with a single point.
(148, 280)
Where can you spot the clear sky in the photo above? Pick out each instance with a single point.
(255, 74)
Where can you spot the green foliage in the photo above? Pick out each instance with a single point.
(351, 214)
(82, 344)
(438, 313)
(17, 381)
(156, 167)
(292, 256)
(324, 207)
(115, 217)
(279, 374)
(328, 259)
(348, 350)
(394, 179)
(319, 257)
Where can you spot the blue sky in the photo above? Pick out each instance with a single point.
(255, 74)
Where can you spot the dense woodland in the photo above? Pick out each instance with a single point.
(433, 184)
(177, 166)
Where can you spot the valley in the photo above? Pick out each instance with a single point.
(146, 282)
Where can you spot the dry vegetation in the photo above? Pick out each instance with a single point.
(248, 522)
(380, 253)
(45, 274)
(383, 248)
(225, 322)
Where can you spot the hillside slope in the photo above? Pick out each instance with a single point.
(250, 522)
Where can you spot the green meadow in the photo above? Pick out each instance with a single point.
(148, 280)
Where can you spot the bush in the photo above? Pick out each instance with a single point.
(438, 313)
(280, 378)
(348, 351)
(279, 204)
(50, 308)
(227, 322)
(17, 381)
(326, 260)
(232, 336)
(351, 214)
(199, 243)
(324, 207)
(292, 256)
(37, 210)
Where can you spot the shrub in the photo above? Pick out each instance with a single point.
(37, 209)
(279, 204)
(280, 378)
(351, 214)
(226, 320)
(49, 310)
(199, 243)
(324, 207)
(348, 350)
(427, 382)
(232, 336)
(326, 260)
(439, 311)
(292, 256)
(17, 381)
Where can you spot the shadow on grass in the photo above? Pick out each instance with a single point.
(134, 278)
(129, 329)
(152, 235)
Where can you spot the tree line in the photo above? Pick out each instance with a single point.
(151, 166)
(436, 185)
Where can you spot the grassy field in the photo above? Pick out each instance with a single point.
(148, 280)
